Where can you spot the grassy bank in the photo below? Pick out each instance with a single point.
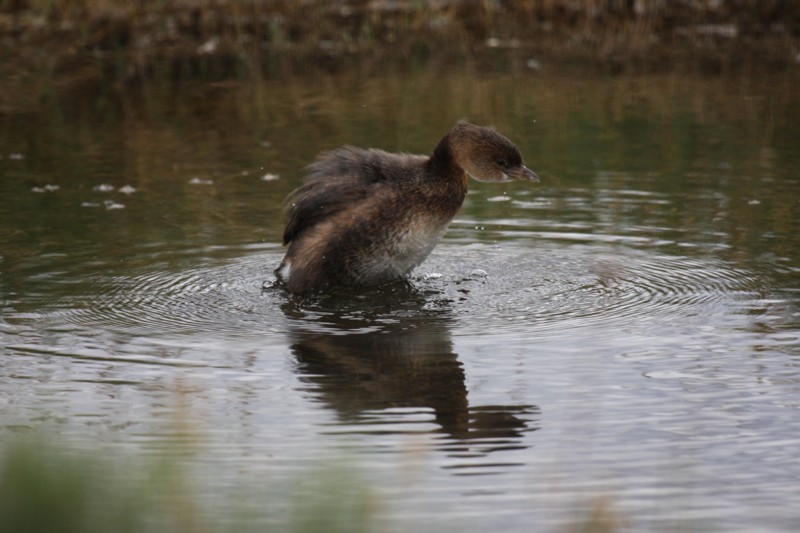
(232, 37)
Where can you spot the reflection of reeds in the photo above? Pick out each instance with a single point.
(231, 36)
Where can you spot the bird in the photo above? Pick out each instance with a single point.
(367, 217)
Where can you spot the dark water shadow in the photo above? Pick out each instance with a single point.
(384, 361)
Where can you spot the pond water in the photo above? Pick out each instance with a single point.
(624, 336)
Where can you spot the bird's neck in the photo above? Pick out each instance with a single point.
(447, 177)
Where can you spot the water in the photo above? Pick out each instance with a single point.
(625, 335)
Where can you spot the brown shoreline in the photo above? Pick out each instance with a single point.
(219, 39)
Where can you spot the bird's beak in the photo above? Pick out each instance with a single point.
(524, 173)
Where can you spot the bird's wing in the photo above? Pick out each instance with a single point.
(338, 180)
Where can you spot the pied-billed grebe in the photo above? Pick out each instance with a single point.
(368, 217)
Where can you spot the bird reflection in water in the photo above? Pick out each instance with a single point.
(377, 364)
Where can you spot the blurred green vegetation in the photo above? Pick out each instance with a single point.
(44, 489)
(42, 492)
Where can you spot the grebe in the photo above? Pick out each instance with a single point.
(365, 217)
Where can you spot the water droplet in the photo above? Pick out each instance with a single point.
(478, 273)
(103, 187)
(269, 177)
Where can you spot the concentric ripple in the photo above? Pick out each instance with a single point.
(547, 289)
(219, 298)
(559, 289)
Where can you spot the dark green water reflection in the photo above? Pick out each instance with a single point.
(722, 150)
(634, 338)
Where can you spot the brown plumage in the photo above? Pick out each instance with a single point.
(367, 217)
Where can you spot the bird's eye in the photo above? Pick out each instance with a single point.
(502, 162)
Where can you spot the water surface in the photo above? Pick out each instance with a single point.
(625, 334)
